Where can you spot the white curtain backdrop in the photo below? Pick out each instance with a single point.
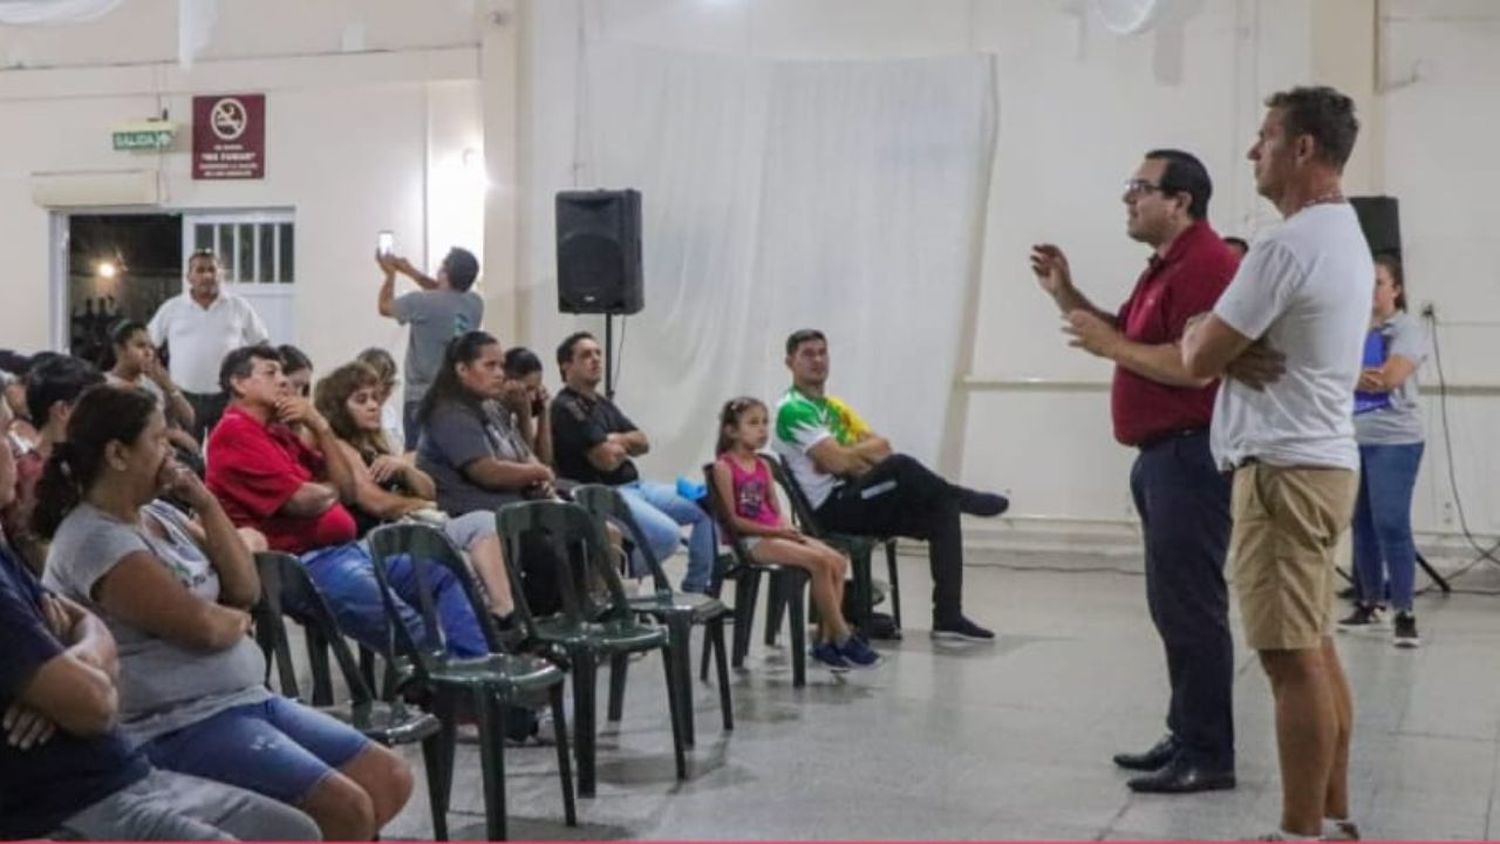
(780, 195)
(53, 12)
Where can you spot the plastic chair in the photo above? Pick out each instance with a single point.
(591, 626)
(287, 591)
(860, 549)
(488, 683)
(788, 585)
(679, 611)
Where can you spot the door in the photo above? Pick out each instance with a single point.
(257, 256)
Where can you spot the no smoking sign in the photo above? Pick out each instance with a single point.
(229, 136)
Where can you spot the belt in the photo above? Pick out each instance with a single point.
(1158, 439)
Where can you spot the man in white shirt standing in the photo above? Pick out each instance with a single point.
(1300, 293)
(199, 327)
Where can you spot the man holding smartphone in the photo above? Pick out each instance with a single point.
(444, 308)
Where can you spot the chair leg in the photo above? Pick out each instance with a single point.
(680, 631)
(583, 720)
(492, 761)
(715, 630)
(619, 666)
(864, 591)
(746, 589)
(564, 764)
(894, 575)
(794, 595)
(674, 705)
(708, 645)
(775, 604)
(367, 669)
(322, 677)
(437, 784)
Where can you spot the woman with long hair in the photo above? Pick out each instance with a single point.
(1388, 427)
(388, 487)
(385, 368)
(174, 592)
(523, 372)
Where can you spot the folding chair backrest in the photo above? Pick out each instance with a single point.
(390, 545)
(581, 551)
(429, 546)
(288, 591)
(606, 503)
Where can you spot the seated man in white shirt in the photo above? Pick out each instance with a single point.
(199, 327)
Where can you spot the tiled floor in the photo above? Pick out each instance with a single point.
(1013, 740)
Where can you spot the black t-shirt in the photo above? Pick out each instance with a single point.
(578, 424)
(44, 786)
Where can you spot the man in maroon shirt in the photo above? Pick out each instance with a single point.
(1182, 499)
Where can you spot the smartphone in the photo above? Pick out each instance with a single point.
(385, 243)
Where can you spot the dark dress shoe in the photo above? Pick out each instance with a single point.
(1182, 777)
(1152, 760)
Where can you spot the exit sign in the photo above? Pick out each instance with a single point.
(153, 135)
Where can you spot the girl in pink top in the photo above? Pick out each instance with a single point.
(742, 481)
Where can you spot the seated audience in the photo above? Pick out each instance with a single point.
(594, 443)
(269, 479)
(388, 488)
(857, 484)
(53, 385)
(13, 369)
(748, 495)
(523, 370)
(136, 365)
(384, 366)
(175, 594)
(298, 369)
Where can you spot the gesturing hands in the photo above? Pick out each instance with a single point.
(1091, 333)
(1051, 268)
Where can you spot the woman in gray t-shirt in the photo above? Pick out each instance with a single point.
(1388, 426)
(174, 593)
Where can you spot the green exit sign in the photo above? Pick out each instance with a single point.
(148, 136)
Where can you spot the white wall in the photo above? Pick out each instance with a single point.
(1077, 108)
(357, 141)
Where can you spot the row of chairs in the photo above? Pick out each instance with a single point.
(598, 623)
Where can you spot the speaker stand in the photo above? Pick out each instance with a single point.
(609, 356)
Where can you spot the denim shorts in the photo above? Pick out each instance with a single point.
(278, 748)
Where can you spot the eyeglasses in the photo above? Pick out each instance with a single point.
(1136, 187)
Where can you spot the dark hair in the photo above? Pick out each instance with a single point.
(465, 348)
(462, 268)
(565, 348)
(293, 359)
(1243, 244)
(803, 335)
(1184, 173)
(240, 363)
(1323, 114)
(14, 362)
(125, 329)
(521, 362)
(732, 412)
(57, 378)
(381, 362)
(103, 414)
(202, 255)
(331, 397)
(1392, 263)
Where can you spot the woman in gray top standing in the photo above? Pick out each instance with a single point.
(1388, 426)
(174, 592)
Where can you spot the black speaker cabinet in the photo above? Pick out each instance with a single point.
(599, 252)
(1380, 218)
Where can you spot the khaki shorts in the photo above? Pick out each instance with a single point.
(1288, 525)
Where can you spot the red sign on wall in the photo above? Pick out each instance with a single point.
(229, 137)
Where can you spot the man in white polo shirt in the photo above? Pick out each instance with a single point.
(1301, 292)
(199, 327)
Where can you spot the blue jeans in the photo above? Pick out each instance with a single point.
(346, 577)
(1383, 546)
(660, 512)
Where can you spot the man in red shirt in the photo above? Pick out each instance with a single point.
(1182, 498)
(269, 479)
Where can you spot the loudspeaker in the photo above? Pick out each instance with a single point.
(599, 252)
(1380, 218)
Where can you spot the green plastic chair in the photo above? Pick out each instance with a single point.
(287, 591)
(486, 685)
(679, 611)
(595, 623)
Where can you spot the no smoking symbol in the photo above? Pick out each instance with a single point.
(228, 119)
